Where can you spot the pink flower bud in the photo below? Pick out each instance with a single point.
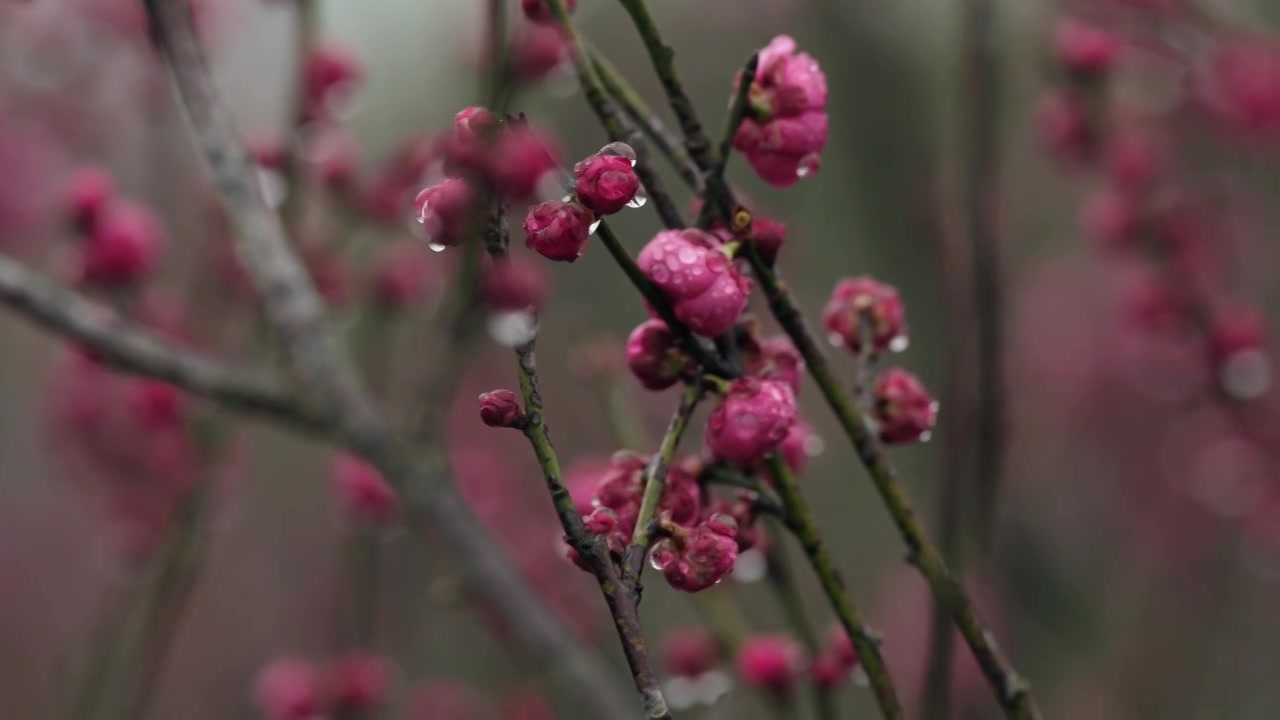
(840, 646)
(363, 495)
(288, 689)
(1111, 216)
(1065, 127)
(863, 300)
(605, 183)
(539, 11)
(601, 522)
(123, 248)
(698, 558)
(470, 147)
(621, 486)
(1236, 328)
(518, 283)
(1084, 50)
(904, 409)
(827, 672)
(156, 406)
(1134, 158)
(653, 356)
(89, 191)
(402, 277)
(788, 83)
(336, 157)
(751, 420)
(707, 291)
(787, 126)
(774, 358)
(784, 150)
(269, 152)
(446, 211)
(536, 50)
(771, 663)
(327, 73)
(690, 652)
(795, 446)
(769, 236)
(558, 230)
(359, 682)
(522, 159)
(500, 408)
(1245, 86)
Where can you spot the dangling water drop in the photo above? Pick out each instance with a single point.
(639, 199)
(274, 186)
(513, 328)
(751, 566)
(594, 225)
(925, 437)
(835, 339)
(435, 247)
(814, 445)
(809, 164)
(899, 343)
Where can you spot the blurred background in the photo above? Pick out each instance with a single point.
(1129, 566)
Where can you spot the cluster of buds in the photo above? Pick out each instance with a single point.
(836, 661)
(290, 688)
(119, 241)
(786, 126)
(694, 559)
(751, 421)
(697, 275)
(772, 664)
(693, 657)
(604, 184)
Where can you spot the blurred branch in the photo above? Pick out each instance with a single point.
(716, 186)
(621, 596)
(135, 350)
(799, 518)
(1011, 690)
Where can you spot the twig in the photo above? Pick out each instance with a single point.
(655, 480)
(717, 189)
(1011, 690)
(865, 643)
(663, 58)
(621, 598)
(617, 125)
(650, 124)
(119, 343)
(688, 341)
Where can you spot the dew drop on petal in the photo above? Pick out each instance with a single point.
(659, 273)
(750, 566)
(809, 165)
(435, 247)
(595, 226)
(620, 149)
(899, 343)
(836, 339)
(926, 436)
(639, 199)
(814, 445)
(513, 328)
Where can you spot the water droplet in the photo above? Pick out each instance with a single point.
(274, 187)
(1246, 375)
(513, 328)
(750, 566)
(639, 199)
(620, 149)
(859, 677)
(682, 693)
(926, 436)
(809, 164)
(661, 557)
(713, 684)
(594, 226)
(814, 445)
(687, 255)
(659, 273)
(899, 343)
(836, 339)
(435, 247)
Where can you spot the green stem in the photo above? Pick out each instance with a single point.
(720, 610)
(627, 428)
(655, 479)
(782, 582)
(1012, 691)
(867, 645)
(621, 598)
(717, 189)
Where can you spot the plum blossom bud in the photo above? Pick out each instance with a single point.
(786, 128)
(605, 183)
(863, 300)
(89, 192)
(500, 408)
(1111, 217)
(768, 236)
(751, 420)
(706, 290)
(1085, 51)
(288, 689)
(522, 159)
(1245, 86)
(904, 409)
(326, 74)
(123, 248)
(536, 50)
(363, 494)
(446, 212)
(359, 681)
(694, 560)
(469, 148)
(796, 447)
(1065, 127)
(653, 356)
(774, 358)
(827, 672)
(1237, 338)
(690, 652)
(518, 283)
(601, 522)
(156, 406)
(840, 646)
(539, 11)
(558, 230)
(771, 663)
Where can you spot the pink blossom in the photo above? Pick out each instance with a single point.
(1245, 86)
(786, 128)
(363, 494)
(123, 248)
(1083, 49)
(539, 11)
(707, 291)
(653, 356)
(522, 159)
(771, 663)
(695, 559)
(904, 409)
(328, 71)
(288, 689)
(500, 408)
(558, 230)
(860, 301)
(516, 283)
(446, 211)
(690, 651)
(359, 681)
(751, 420)
(536, 50)
(605, 183)
(89, 192)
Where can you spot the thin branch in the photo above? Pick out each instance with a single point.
(716, 186)
(621, 598)
(865, 643)
(655, 480)
(119, 343)
(663, 58)
(1012, 691)
(650, 124)
(684, 336)
(617, 125)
